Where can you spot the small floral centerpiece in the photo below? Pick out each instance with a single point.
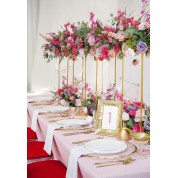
(91, 101)
(68, 95)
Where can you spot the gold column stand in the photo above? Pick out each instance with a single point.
(123, 132)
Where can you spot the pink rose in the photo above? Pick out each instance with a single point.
(78, 102)
(91, 40)
(111, 53)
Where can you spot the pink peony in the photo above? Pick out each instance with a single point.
(78, 102)
(105, 52)
(136, 128)
(91, 40)
(111, 53)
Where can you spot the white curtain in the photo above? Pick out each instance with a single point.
(48, 15)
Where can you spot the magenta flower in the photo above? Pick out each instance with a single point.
(67, 24)
(136, 128)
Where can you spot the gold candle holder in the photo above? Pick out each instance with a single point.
(85, 76)
(59, 73)
(141, 88)
(102, 76)
(96, 76)
(67, 71)
(123, 132)
(122, 76)
(115, 75)
(73, 72)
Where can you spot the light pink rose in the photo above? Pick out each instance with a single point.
(111, 53)
(91, 40)
(78, 102)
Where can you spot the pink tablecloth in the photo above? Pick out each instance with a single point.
(63, 144)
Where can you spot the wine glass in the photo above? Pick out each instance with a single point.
(141, 139)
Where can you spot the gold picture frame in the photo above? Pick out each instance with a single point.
(108, 117)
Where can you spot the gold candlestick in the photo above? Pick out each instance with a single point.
(96, 76)
(85, 77)
(102, 76)
(67, 70)
(73, 73)
(82, 76)
(141, 88)
(114, 74)
(58, 73)
(122, 76)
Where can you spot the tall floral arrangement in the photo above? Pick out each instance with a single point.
(102, 41)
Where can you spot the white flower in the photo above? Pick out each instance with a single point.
(125, 116)
(130, 52)
(142, 26)
(81, 52)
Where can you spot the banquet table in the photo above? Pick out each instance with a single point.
(62, 145)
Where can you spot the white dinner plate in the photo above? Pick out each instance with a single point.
(40, 99)
(73, 122)
(56, 109)
(105, 146)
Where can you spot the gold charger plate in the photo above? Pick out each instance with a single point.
(131, 148)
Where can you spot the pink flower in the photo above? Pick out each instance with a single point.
(147, 25)
(73, 27)
(58, 53)
(74, 51)
(67, 24)
(111, 53)
(135, 23)
(132, 113)
(116, 49)
(136, 128)
(109, 29)
(59, 91)
(55, 42)
(92, 53)
(91, 40)
(104, 52)
(78, 102)
(101, 58)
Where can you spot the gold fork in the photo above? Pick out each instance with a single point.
(76, 133)
(112, 163)
(83, 141)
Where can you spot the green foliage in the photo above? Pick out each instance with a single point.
(130, 123)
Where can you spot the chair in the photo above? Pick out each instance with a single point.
(46, 169)
(31, 135)
(35, 152)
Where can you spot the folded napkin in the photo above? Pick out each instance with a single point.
(59, 124)
(35, 116)
(72, 168)
(49, 136)
(39, 99)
